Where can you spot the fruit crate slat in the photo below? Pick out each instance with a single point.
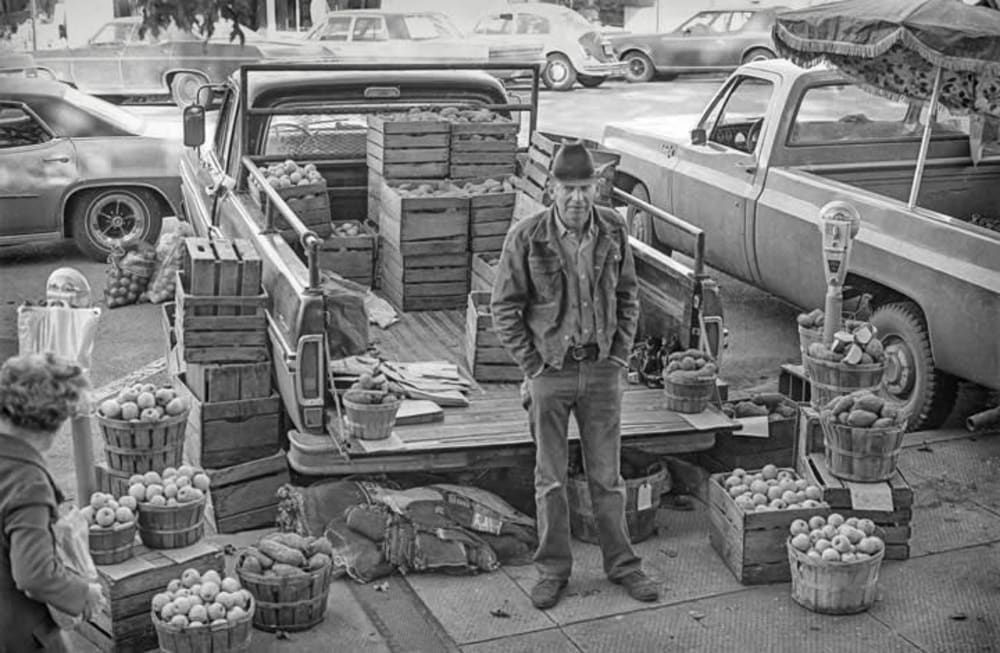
(399, 124)
(483, 272)
(426, 170)
(244, 496)
(488, 244)
(352, 257)
(418, 269)
(224, 433)
(752, 545)
(191, 305)
(229, 381)
(732, 450)
(462, 171)
(487, 358)
(408, 154)
(219, 267)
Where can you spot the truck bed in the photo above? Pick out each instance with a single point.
(492, 428)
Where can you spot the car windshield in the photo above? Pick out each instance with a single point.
(113, 33)
(109, 113)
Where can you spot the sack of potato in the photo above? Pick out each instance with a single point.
(863, 435)
(289, 576)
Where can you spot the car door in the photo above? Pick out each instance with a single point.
(36, 166)
(145, 60)
(716, 184)
(97, 67)
(698, 42)
(200, 175)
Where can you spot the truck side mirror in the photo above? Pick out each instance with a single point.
(194, 125)
(698, 136)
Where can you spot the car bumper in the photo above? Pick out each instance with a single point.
(599, 69)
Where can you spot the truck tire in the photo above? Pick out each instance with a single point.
(184, 88)
(925, 392)
(559, 73)
(640, 68)
(640, 223)
(106, 218)
(590, 81)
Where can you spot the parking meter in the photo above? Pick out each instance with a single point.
(839, 223)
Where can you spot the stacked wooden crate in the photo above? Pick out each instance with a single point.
(488, 359)
(423, 250)
(350, 251)
(483, 271)
(534, 177)
(483, 149)
(235, 417)
(490, 216)
(310, 203)
(400, 146)
(124, 625)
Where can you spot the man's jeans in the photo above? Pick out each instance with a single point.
(592, 390)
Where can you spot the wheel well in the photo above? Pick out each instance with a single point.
(69, 206)
(758, 47)
(880, 294)
(170, 74)
(629, 51)
(625, 181)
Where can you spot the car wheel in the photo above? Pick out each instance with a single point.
(640, 67)
(758, 54)
(184, 88)
(112, 218)
(559, 73)
(924, 392)
(590, 81)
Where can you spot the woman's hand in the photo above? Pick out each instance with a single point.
(95, 600)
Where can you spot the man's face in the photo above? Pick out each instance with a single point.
(574, 202)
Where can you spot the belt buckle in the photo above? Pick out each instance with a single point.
(579, 353)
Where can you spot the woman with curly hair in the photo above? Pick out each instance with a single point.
(38, 392)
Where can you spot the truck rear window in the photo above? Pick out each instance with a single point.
(846, 113)
(339, 136)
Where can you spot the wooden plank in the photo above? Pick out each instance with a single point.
(838, 495)
(395, 141)
(263, 517)
(398, 124)
(408, 155)
(487, 243)
(497, 159)
(250, 269)
(247, 495)
(208, 339)
(226, 355)
(498, 228)
(465, 170)
(227, 273)
(199, 267)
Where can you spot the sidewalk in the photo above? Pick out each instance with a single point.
(945, 598)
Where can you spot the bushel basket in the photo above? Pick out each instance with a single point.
(688, 395)
(371, 421)
(829, 379)
(172, 527)
(867, 455)
(233, 637)
(140, 447)
(109, 546)
(290, 603)
(807, 336)
(833, 587)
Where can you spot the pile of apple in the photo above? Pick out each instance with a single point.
(185, 484)
(288, 173)
(106, 512)
(202, 600)
(771, 489)
(454, 114)
(690, 364)
(416, 114)
(836, 539)
(448, 188)
(128, 276)
(143, 402)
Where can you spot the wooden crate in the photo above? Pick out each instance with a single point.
(424, 282)
(221, 328)
(499, 136)
(483, 271)
(226, 433)
(220, 267)
(423, 225)
(752, 545)
(490, 217)
(849, 500)
(309, 202)
(168, 317)
(408, 149)
(229, 381)
(733, 450)
(488, 359)
(808, 437)
(243, 496)
(542, 152)
(352, 257)
(125, 624)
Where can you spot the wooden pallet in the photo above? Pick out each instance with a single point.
(487, 358)
(424, 281)
(408, 149)
(751, 544)
(483, 271)
(352, 257)
(848, 499)
(221, 328)
(225, 433)
(125, 625)
(243, 496)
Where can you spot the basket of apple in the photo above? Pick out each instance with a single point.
(834, 563)
(112, 527)
(203, 613)
(171, 506)
(143, 428)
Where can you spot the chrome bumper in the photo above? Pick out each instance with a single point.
(600, 69)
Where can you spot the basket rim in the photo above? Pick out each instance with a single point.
(145, 505)
(828, 421)
(833, 564)
(124, 423)
(860, 367)
(698, 381)
(370, 407)
(159, 623)
(112, 531)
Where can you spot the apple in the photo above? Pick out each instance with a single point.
(216, 611)
(128, 501)
(190, 577)
(799, 526)
(124, 515)
(174, 585)
(182, 604)
(198, 613)
(201, 481)
(158, 500)
(801, 542)
(152, 478)
(831, 555)
(835, 519)
(179, 621)
(168, 611)
(159, 601)
(105, 517)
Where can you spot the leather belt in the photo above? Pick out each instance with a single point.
(580, 353)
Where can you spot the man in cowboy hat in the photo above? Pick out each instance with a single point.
(565, 305)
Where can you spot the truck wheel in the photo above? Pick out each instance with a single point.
(640, 67)
(184, 88)
(114, 217)
(758, 54)
(590, 81)
(640, 223)
(926, 393)
(559, 73)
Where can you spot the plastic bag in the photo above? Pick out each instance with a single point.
(72, 535)
(69, 333)
(169, 254)
(128, 274)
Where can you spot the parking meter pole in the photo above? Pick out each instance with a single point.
(839, 222)
(83, 458)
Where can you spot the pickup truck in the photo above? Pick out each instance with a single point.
(776, 143)
(328, 106)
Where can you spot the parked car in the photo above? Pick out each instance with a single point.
(20, 64)
(709, 41)
(118, 62)
(412, 37)
(75, 166)
(574, 48)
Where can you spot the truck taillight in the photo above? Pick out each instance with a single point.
(310, 369)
